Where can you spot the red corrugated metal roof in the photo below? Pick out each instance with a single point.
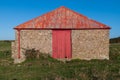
(62, 18)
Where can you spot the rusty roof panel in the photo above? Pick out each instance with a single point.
(62, 18)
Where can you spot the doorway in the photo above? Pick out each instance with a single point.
(61, 44)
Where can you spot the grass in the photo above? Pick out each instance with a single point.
(5, 45)
(47, 68)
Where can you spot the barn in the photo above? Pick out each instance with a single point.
(63, 34)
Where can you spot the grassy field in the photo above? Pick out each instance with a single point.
(47, 68)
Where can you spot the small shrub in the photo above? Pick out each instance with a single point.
(36, 54)
(31, 53)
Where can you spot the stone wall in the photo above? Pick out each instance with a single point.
(14, 46)
(86, 44)
(38, 39)
(90, 44)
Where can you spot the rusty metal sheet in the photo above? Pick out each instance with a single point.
(61, 18)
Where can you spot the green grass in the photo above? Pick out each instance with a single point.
(5, 45)
(47, 68)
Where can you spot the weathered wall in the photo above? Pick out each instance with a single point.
(15, 50)
(39, 39)
(86, 44)
(90, 44)
(14, 46)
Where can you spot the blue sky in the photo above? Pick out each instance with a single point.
(15, 12)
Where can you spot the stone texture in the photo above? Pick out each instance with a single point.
(15, 50)
(86, 44)
(90, 44)
(13, 47)
(39, 39)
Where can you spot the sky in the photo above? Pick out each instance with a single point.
(15, 12)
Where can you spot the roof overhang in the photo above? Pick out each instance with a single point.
(61, 28)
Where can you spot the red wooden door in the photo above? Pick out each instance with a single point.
(61, 44)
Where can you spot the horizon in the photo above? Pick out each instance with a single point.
(17, 12)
